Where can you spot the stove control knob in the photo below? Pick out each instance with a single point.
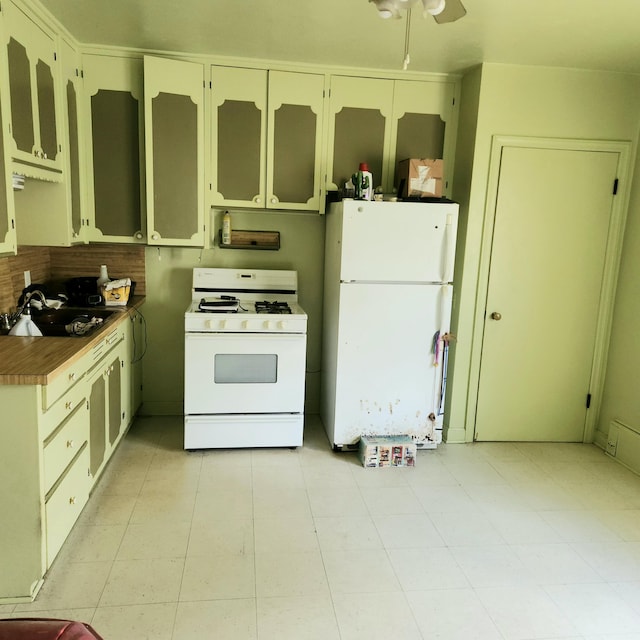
(223, 324)
(208, 324)
(282, 324)
(245, 324)
(267, 324)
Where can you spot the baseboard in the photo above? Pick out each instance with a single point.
(623, 444)
(455, 436)
(159, 408)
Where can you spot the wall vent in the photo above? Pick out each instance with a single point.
(623, 444)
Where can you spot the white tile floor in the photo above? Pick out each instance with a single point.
(478, 541)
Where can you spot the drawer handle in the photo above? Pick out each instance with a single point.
(72, 500)
(72, 376)
(68, 406)
(70, 444)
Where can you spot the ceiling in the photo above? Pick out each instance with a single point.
(588, 34)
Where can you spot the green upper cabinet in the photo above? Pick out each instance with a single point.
(294, 140)
(266, 137)
(422, 124)
(7, 219)
(114, 135)
(174, 146)
(381, 122)
(35, 126)
(359, 129)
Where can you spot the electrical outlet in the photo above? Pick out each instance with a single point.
(27, 278)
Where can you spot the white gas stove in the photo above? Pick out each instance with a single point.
(245, 355)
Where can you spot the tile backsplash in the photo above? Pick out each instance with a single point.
(60, 263)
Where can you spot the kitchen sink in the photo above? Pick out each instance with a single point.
(59, 322)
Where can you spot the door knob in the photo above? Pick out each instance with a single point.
(496, 316)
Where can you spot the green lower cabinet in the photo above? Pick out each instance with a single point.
(55, 441)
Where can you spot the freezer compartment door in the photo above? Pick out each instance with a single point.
(398, 242)
(390, 372)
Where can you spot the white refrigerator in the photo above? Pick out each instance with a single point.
(386, 324)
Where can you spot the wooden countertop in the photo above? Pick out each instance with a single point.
(38, 360)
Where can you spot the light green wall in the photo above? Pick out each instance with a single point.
(169, 272)
(521, 101)
(621, 399)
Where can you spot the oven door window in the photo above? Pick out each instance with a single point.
(243, 368)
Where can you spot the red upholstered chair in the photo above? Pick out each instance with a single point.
(45, 629)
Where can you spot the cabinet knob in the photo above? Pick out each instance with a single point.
(72, 376)
(496, 315)
(72, 500)
(154, 236)
(70, 444)
(68, 406)
(257, 199)
(274, 200)
(139, 236)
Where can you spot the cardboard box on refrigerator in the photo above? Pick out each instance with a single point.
(420, 177)
(387, 451)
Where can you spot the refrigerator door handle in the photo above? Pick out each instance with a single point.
(449, 240)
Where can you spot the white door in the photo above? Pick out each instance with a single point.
(388, 377)
(552, 218)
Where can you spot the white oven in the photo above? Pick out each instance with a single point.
(245, 358)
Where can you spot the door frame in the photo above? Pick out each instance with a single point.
(610, 275)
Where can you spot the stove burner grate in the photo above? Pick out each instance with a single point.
(267, 306)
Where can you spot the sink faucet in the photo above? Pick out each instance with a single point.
(12, 318)
(38, 294)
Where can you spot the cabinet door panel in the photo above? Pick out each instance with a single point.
(360, 130)
(46, 110)
(74, 160)
(238, 136)
(294, 153)
(97, 423)
(174, 125)
(359, 137)
(21, 103)
(115, 400)
(294, 149)
(113, 90)
(7, 225)
(239, 151)
(116, 163)
(423, 127)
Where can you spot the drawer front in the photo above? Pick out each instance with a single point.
(64, 444)
(65, 380)
(61, 410)
(65, 503)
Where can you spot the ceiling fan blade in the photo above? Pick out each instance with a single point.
(453, 10)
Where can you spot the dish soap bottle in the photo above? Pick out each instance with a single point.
(226, 228)
(103, 278)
